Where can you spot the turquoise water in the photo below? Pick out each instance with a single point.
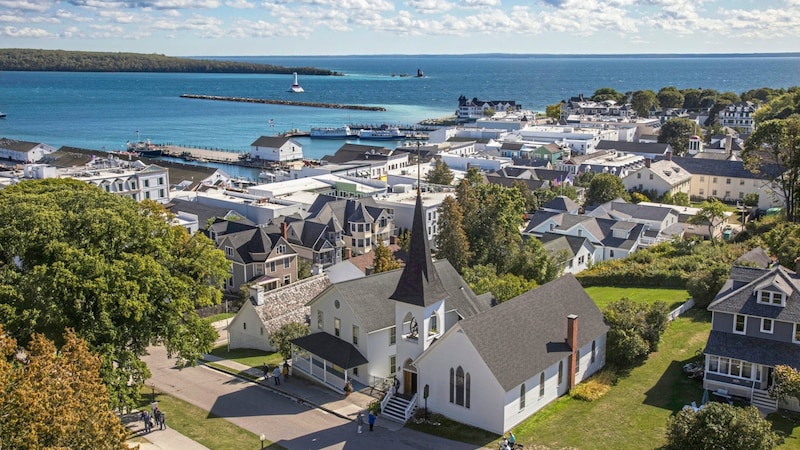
(104, 110)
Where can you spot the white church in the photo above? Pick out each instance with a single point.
(489, 367)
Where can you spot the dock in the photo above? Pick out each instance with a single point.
(283, 102)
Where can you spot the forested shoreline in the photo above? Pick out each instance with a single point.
(28, 60)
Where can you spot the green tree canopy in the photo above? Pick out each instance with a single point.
(670, 97)
(773, 151)
(785, 383)
(54, 398)
(281, 339)
(711, 214)
(607, 93)
(484, 278)
(440, 174)
(605, 187)
(676, 132)
(692, 98)
(451, 241)
(535, 263)
(642, 101)
(720, 426)
(635, 330)
(553, 111)
(780, 107)
(117, 271)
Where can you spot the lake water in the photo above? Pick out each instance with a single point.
(104, 110)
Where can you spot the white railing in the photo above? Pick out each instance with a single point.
(410, 407)
(675, 313)
(385, 400)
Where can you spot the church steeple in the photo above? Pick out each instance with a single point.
(419, 283)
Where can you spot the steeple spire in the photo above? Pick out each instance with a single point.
(419, 283)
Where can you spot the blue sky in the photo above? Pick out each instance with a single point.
(346, 27)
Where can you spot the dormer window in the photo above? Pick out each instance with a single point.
(772, 298)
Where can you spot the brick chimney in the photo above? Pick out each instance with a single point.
(669, 156)
(348, 253)
(572, 342)
(284, 230)
(647, 162)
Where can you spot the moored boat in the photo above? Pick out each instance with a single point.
(296, 86)
(145, 149)
(386, 134)
(332, 132)
(2, 115)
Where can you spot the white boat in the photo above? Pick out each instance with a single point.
(296, 86)
(2, 115)
(332, 132)
(386, 134)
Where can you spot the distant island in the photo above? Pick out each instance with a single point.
(27, 60)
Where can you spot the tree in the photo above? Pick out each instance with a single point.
(451, 241)
(484, 278)
(691, 99)
(784, 242)
(527, 196)
(607, 93)
(404, 239)
(75, 256)
(676, 132)
(604, 188)
(718, 426)
(711, 214)
(704, 284)
(55, 398)
(680, 199)
(773, 151)
(785, 383)
(440, 174)
(303, 269)
(535, 263)
(281, 338)
(642, 101)
(670, 97)
(553, 111)
(383, 259)
(635, 330)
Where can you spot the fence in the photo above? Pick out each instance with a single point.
(675, 313)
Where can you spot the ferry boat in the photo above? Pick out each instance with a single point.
(296, 86)
(332, 132)
(385, 134)
(145, 149)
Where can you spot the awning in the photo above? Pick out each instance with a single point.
(331, 348)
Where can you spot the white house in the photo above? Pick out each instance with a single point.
(660, 176)
(22, 151)
(276, 148)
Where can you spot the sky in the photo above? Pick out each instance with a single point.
(365, 27)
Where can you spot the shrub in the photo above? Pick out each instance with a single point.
(595, 387)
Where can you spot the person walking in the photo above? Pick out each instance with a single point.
(371, 420)
(148, 422)
(360, 421)
(277, 375)
(163, 423)
(265, 369)
(285, 371)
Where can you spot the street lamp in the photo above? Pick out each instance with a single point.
(263, 438)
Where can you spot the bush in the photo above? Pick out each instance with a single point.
(719, 426)
(635, 331)
(595, 387)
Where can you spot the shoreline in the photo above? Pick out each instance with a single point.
(283, 102)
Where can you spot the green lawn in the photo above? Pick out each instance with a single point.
(248, 357)
(220, 316)
(214, 432)
(603, 295)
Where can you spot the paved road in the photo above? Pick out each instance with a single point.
(280, 419)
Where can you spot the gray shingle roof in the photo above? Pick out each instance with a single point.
(726, 168)
(743, 300)
(522, 336)
(332, 349)
(271, 141)
(756, 350)
(653, 149)
(288, 303)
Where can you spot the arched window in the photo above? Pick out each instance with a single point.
(560, 372)
(541, 385)
(522, 397)
(433, 328)
(460, 386)
(467, 391)
(452, 385)
(594, 350)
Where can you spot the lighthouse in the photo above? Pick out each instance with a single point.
(295, 86)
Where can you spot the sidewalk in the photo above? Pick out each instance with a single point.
(309, 393)
(166, 439)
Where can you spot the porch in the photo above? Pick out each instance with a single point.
(327, 360)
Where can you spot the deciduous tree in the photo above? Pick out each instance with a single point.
(718, 426)
(607, 93)
(484, 278)
(440, 174)
(773, 151)
(451, 241)
(55, 398)
(670, 97)
(711, 214)
(281, 338)
(676, 132)
(605, 187)
(117, 271)
(785, 383)
(383, 259)
(635, 330)
(553, 111)
(642, 101)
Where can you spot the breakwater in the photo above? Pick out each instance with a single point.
(283, 102)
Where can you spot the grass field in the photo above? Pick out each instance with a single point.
(195, 423)
(248, 357)
(603, 295)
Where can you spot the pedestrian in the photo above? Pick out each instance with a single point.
(360, 421)
(285, 370)
(371, 420)
(277, 375)
(148, 422)
(163, 423)
(396, 385)
(265, 369)
(348, 388)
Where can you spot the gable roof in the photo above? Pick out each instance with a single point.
(333, 349)
(271, 141)
(558, 243)
(724, 168)
(743, 300)
(288, 303)
(419, 283)
(670, 172)
(643, 148)
(527, 334)
(768, 352)
(368, 297)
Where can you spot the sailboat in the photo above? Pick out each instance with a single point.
(295, 86)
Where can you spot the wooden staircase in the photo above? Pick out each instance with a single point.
(395, 409)
(763, 401)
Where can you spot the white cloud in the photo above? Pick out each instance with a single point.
(479, 3)
(430, 6)
(25, 5)
(71, 16)
(8, 18)
(240, 4)
(24, 32)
